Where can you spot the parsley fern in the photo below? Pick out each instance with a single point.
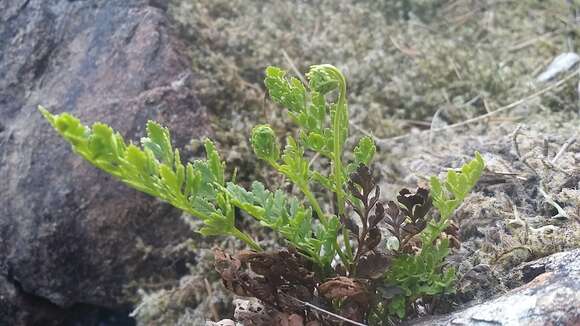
(320, 110)
(156, 169)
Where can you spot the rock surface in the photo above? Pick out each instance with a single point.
(69, 233)
(550, 296)
(18, 308)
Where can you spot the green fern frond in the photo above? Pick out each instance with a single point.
(156, 169)
(288, 217)
(449, 194)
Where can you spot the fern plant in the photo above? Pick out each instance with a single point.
(422, 274)
(320, 111)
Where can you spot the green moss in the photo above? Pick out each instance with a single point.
(404, 59)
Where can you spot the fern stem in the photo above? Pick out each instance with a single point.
(235, 232)
(340, 119)
(313, 202)
(340, 113)
(247, 239)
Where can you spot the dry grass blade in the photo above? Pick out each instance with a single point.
(309, 305)
(563, 149)
(385, 141)
(294, 68)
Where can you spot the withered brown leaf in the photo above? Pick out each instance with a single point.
(452, 233)
(378, 216)
(394, 219)
(372, 239)
(353, 293)
(415, 205)
(279, 267)
(276, 275)
(341, 288)
(226, 265)
(363, 187)
(409, 217)
(238, 281)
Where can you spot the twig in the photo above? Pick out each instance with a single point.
(416, 122)
(505, 119)
(524, 160)
(433, 121)
(546, 148)
(135, 311)
(571, 35)
(561, 212)
(563, 149)
(361, 130)
(515, 141)
(314, 157)
(549, 165)
(486, 106)
(527, 233)
(470, 102)
(385, 141)
(293, 67)
(213, 307)
(307, 304)
(520, 221)
(531, 41)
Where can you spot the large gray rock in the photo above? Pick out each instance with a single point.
(550, 296)
(19, 308)
(68, 232)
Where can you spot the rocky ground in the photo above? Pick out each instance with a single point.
(78, 248)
